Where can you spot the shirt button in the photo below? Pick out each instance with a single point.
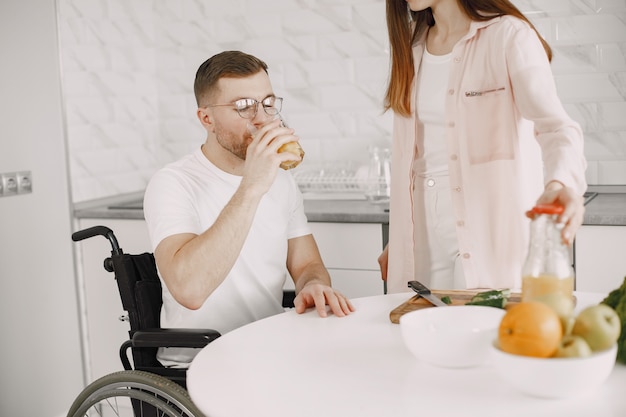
(430, 182)
(451, 91)
(457, 189)
(460, 223)
(457, 59)
(454, 157)
(466, 255)
(451, 124)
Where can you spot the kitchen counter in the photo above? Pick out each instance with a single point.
(346, 211)
(123, 206)
(130, 206)
(607, 208)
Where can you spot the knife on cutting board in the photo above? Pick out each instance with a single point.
(425, 293)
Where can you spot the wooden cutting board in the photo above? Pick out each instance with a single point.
(458, 297)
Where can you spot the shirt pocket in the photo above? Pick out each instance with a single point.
(490, 127)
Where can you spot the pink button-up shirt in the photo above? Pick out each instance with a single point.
(507, 136)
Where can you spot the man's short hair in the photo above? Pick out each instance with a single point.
(232, 64)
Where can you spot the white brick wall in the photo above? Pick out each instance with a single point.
(128, 69)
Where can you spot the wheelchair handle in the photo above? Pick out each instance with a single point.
(98, 231)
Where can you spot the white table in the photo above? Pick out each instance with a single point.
(358, 366)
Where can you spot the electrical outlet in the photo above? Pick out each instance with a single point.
(9, 183)
(24, 182)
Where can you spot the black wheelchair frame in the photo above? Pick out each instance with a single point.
(145, 387)
(152, 388)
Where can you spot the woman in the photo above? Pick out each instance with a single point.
(479, 137)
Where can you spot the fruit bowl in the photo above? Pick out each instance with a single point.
(554, 377)
(453, 336)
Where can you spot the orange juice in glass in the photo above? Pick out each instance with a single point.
(536, 287)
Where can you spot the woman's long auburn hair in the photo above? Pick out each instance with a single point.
(400, 20)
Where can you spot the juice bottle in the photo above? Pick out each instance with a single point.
(548, 268)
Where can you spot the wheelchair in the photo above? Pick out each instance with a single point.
(145, 388)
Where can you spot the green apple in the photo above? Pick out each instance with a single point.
(562, 305)
(573, 347)
(599, 325)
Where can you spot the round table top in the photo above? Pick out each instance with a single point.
(303, 365)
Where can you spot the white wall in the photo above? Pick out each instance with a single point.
(40, 357)
(128, 69)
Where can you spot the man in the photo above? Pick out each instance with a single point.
(226, 224)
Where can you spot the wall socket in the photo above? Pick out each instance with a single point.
(13, 183)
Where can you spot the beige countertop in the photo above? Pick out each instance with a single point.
(607, 208)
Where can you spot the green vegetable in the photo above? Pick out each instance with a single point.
(446, 299)
(491, 294)
(492, 302)
(491, 298)
(617, 300)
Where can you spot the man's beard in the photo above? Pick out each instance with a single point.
(233, 143)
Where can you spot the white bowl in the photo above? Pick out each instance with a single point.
(453, 336)
(554, 377)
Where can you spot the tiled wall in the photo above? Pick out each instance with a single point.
(128, 68)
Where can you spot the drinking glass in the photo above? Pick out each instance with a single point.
(292, 147)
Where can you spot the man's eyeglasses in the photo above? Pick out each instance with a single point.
(247, 107)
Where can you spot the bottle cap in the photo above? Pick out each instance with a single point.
(545, 209)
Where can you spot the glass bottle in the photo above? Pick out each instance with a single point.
(379, 175)
(547, 269)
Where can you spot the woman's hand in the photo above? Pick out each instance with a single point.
(573, 204)
(383, 261)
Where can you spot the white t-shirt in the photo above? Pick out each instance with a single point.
(433, 82)
(436, 243)
(187, 196)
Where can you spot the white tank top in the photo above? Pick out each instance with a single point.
(432, 86)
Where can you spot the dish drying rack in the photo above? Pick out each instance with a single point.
(331, 181)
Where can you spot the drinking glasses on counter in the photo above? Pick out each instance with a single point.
(379, 175)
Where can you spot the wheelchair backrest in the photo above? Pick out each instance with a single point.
(140, 289)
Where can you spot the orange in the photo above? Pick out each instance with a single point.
(530, 328)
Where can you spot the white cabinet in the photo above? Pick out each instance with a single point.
(104, 332)
(600, 258)
(350, 252)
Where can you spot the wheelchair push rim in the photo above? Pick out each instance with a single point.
(112, 395)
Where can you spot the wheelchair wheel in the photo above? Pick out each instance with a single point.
(133, 394)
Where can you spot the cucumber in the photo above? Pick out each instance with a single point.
(491, 294)
(491, 298)
(493, 302)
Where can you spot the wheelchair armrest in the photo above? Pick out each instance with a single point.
(186, 338)
(158, 337)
